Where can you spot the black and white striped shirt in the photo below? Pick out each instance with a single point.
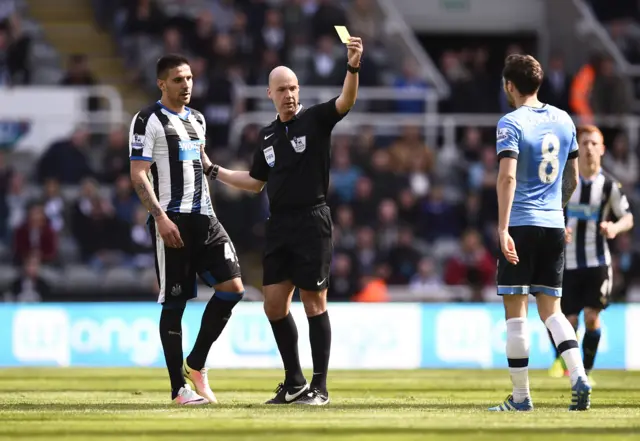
(172, 142)
(592, 202)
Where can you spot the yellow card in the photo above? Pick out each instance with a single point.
(343, 34)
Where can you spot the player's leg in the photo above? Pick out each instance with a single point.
(217, 264)
(596, 300)
(310, 273)
(547, 286)
(513, 285)
(176, 280)
(278, 292)
(571, 304)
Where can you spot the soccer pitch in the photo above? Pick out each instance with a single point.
(131, 404)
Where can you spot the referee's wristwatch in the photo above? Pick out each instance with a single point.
(212, 171)
(353, 70)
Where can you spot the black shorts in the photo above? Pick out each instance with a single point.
(586, 288)
(541, 254)
(208, 252)
(299, 248)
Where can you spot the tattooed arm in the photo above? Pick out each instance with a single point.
(569, 180)
(166, 228)
(142, 186)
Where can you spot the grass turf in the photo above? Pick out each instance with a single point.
(132, 404)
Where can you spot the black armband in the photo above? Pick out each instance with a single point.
(207, 172)
(353, 70)
(213, 171)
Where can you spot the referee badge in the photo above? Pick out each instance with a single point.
(270, 156)
(299, 144)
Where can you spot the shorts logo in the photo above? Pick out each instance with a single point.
(502, 134)
(299, 144)
(176, 290)
(137, 141)
(190, 150)
(270, 156)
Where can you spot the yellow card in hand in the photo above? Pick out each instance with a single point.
(343, 34)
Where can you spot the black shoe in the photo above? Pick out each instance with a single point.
(315, 397)
(288, 394)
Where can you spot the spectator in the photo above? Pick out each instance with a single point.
(364, 21)
(29, 286)
(473, 265)
(116, 157)
(16, 200)
(410, 81)
(35, 236)
(409, 149)
(556, 84)
(345, 224)
(610, 93)
(326, 17)
(66, 161)
(343, 174)
(125, 202)
(344, 279)
(622, 161)
(403, 258)
(325, 69)
(426, 278)
(54, 205)
(79, 74)
(141, 242)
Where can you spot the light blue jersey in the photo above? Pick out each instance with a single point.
(542, 140)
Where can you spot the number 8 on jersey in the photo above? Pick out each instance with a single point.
(550, 164)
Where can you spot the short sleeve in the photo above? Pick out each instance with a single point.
(259, 169)
(328, 114)
(573, 151)
(142, 136)
(507, 139)
(618, 200)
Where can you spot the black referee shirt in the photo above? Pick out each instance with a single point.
(294, 157)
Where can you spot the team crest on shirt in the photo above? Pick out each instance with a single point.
(270, 156)
(299, 143)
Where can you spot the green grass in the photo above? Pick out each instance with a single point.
(132, 404)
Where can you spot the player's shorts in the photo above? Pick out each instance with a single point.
(541, 254)
(586, 288)
(299, 248)
(208, 252)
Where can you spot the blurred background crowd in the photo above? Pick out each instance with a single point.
(405, 212)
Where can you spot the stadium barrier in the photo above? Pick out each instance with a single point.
(365, 336)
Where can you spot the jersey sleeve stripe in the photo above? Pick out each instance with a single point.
(573, 154)
(508, 154)
(141, 158)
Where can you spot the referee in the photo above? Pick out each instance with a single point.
(294, 158)
(166, 143)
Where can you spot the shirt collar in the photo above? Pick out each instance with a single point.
(294, 116)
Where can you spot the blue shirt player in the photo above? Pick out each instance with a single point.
(538, 173)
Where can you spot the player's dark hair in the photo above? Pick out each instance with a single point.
(168, 62)
(524, 72)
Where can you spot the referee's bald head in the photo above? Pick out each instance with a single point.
(282, 74)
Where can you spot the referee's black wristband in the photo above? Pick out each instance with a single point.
(353, 70)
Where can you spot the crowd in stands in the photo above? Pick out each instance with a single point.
(405, 213)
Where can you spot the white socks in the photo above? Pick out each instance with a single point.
(518, 357)
(565, 338)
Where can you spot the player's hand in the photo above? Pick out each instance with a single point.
(204, 158)
(568, 235)
(608, 230)
(508, 247)
(169, 232)
(354, 52)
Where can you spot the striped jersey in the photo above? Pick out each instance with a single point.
(593, 202)
(172, 142)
